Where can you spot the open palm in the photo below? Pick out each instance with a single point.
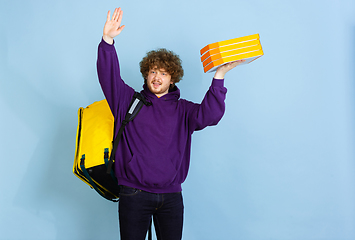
(223, 69)
(113, 26)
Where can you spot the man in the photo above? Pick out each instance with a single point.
(153, 156)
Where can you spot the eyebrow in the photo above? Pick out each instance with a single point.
(160, 70)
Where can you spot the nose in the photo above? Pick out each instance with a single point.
(156, 75)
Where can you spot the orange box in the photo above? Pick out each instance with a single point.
(229, 42)
(227, 48)
(244, 48)
(231, 53)
(249, 57)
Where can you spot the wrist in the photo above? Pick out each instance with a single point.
(107, 39)
(219, 75)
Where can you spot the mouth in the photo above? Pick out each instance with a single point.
(156, 84)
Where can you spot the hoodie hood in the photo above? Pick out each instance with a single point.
(172, 95)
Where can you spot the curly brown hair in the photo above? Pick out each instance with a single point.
(162, 59)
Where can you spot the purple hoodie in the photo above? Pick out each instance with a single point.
(154, 153)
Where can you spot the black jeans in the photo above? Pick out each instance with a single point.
(136, 208)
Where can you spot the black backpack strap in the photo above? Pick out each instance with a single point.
(92, 183)
(135, 106)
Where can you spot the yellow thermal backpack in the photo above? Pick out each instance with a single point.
(95, 140)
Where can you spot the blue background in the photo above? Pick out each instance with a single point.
(280, 164)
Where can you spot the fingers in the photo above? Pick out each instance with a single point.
(117, 15)
(238, 61)
(235, 63)
(108, 16)
(120, 13)
(114, 15)
(119, 30)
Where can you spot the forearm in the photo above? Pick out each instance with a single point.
(108, 70)
(219, 75)
(212, 107)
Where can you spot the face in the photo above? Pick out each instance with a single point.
(158, 81)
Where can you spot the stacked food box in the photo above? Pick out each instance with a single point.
(215, 54)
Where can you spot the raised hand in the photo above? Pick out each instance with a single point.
(113, 26)
(222, 70)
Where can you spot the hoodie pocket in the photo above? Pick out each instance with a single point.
(151, 171)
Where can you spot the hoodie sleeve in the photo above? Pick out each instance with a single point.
(108, 69)
(211, 109)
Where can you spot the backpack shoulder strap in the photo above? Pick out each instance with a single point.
(135, 106)
(137, 102)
